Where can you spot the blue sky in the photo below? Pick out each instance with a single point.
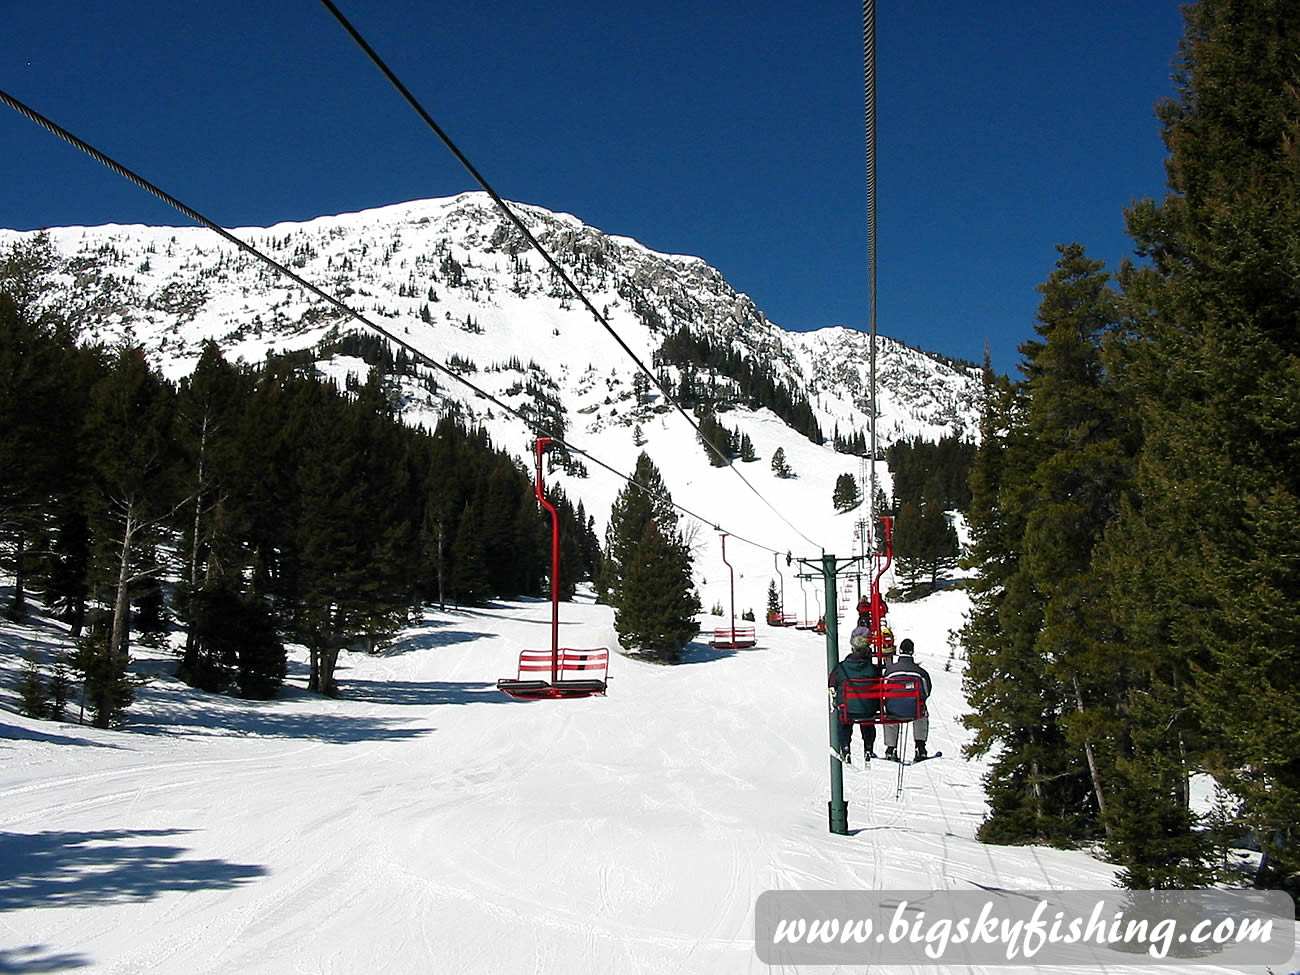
(732, 131)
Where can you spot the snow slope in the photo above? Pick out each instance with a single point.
(427, 824)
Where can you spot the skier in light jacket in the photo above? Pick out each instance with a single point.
(902, 668)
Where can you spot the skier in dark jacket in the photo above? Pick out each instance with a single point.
(859, 666)
(873, 604)
(901, 669)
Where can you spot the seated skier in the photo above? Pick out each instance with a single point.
(902, 669)
(857, 666)
(860, 638)
(884, 646)
(872, 602)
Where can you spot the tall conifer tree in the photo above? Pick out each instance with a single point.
(1035, 788)
(1085, 454)
(134, 462)
(1212, 541)
(647, 569)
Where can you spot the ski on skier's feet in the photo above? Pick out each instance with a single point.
(855, 766)
(923, 758)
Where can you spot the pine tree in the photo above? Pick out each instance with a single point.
(1035, 788)
(65, 566)
(1081, 471)
(108, 688)
(641, 388)
(134, 464)
(355, 539)
(925, 546)
(774, 608)
(779, 465)
(34, 344)
(241, 648)
(657, 613)
(1215, 373)
(907, 543)
(647, 568)
(60, 688)
(846, 495)
(747, 449)
(33, 693)
(205, 420)
(470, 578)
(714, 438)
(645, 499)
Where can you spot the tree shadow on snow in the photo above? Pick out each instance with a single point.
(423, 692)
(30, 958)
(248, 719)
(500, 611)
(701, 653)
(32, 734)
(431, 641)
(64, 868)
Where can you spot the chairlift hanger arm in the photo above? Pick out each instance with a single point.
(816, 565)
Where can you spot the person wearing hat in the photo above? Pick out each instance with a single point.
(859, 666)
(860, 638)
(902, 668)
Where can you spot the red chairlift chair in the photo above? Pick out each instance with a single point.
(732, 637)
(781, 618)
(882, 637)
(892, 700)
(550, 673)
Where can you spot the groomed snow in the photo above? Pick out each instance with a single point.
(425, 823)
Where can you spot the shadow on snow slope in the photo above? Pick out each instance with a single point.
(29, 958)
(333, 728)
(99, 867)
(425, 692)
(31, 734)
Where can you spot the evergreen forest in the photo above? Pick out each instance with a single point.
(1136, 502)
(744, 379)
(246, 505)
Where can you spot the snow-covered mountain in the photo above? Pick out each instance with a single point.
(457, 281)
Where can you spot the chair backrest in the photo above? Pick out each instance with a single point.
(737, 638)
(903, 696)
(880, 700)
(586, 665)
(859, 698)
(738, 633)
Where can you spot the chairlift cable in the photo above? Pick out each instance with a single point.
(869, 100)
(546, 256)
(132, 177)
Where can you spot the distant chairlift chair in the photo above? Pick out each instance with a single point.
(781, 617)
(733, 637)
(549, 674)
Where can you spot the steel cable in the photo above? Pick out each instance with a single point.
(546, 256)
(200, 219)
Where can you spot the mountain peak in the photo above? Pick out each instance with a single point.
(455, 279)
